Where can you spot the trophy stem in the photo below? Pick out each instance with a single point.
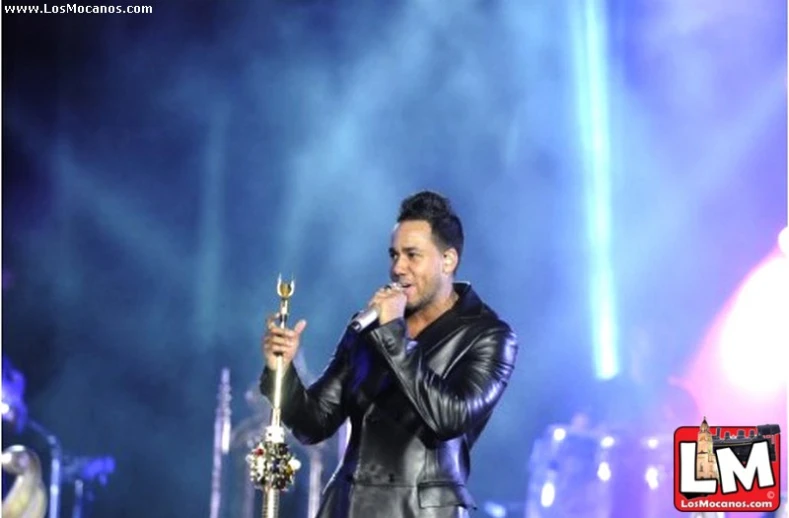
(271, 503)
(279, 372)
(276, 408)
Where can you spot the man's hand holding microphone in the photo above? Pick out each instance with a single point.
(389, 303)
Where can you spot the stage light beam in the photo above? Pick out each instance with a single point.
(589, 30)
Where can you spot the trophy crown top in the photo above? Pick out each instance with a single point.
(285, 289)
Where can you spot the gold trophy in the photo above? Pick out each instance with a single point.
(272, 465)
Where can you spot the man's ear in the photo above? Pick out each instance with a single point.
(450, 261)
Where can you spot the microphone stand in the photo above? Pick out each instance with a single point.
(56, 459)
(222, 426)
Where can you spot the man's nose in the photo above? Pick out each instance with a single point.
(398, 269)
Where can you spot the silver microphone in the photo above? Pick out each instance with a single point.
(367, 317)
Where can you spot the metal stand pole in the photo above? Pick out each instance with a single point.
(79, 495)
(56, 452)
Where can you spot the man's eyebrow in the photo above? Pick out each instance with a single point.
(406, 249)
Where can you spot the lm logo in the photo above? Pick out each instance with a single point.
(736, 468)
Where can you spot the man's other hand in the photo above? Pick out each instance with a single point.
(281, 341)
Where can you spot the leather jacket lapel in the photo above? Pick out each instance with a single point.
(438, 337)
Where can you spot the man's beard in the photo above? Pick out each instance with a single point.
(410, 309)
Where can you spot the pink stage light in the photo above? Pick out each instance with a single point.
(741, 372)
(754, 337)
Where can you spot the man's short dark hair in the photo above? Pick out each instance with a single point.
(429, 206)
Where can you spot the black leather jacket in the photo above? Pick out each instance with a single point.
(416, 409)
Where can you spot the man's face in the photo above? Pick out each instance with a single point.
(417, 263)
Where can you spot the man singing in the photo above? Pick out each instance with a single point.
(418, 385)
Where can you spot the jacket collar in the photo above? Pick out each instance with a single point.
(468, 306)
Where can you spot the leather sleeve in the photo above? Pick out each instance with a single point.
(312, 414)
(451, 406)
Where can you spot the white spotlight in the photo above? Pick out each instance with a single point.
(547, 495)
(651, 477)
(783, 241)
(604, 472)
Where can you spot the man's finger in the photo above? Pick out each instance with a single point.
(279, 349)
(290, 333)
(274, 345)
(271, 318)
(281, 341)
(279, 331)
(300, 326)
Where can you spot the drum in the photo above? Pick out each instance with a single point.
(567, 476)
(587, 474)
(642, 475)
